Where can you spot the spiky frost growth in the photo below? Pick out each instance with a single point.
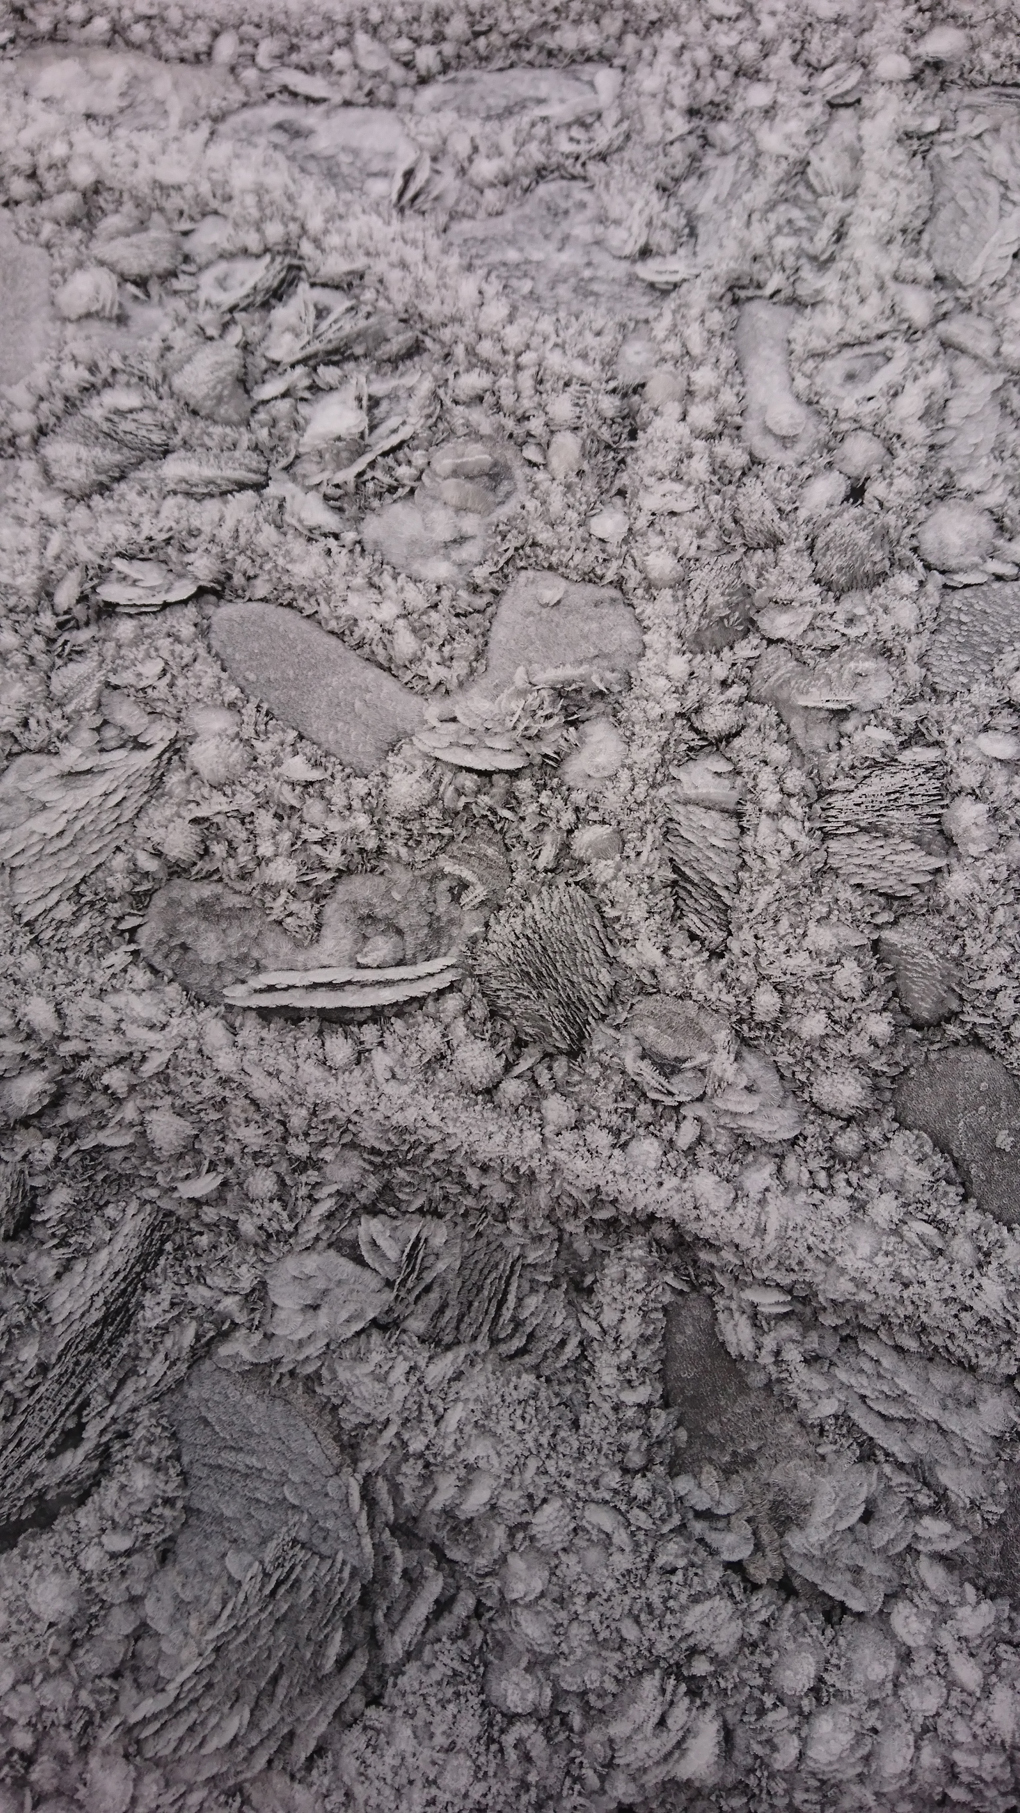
(883, 832)
(63, 816)
(546, 967)
(281, 1655)
(724, 605)
(91, 1311)
(265, 1671)
(924, 980)
(704, 846)
(85, 454)
(213, 474)
(481, 1290)
(852, 552)
(15, 1200)
(883, 865)
(906, 799)
(756, 516)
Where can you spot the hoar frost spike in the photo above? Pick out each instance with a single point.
(219, 1719)
(704, 847)
(62, 816)
(851, 552)
(883, 832)
(87, 453)
(15, 1200)
(546, 967)
(43, 1456)
(282, 1652)
(213, 474)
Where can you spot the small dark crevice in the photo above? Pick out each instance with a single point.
(42, 1517)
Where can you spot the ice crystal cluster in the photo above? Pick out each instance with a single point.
(509, 1019)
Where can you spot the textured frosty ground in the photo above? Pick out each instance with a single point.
(510, 613)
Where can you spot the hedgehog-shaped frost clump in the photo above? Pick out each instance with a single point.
(546, 967)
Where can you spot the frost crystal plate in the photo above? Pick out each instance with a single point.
(509, 741)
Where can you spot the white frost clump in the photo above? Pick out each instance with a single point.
(843, 1092)
(92, 291)
(956, 536)
(969, 823)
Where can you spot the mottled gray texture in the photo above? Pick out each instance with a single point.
(549, 625)
(727, 1423)
(207, 937)
(925, 981)
(552, 248)
(253, 1463)
(976, 625)
(968, 1103)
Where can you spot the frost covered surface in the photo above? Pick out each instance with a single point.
(510, 712)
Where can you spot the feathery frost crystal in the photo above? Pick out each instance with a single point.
(547, 967)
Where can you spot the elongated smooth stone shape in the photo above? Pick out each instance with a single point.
(310, 681)
(777, 425)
